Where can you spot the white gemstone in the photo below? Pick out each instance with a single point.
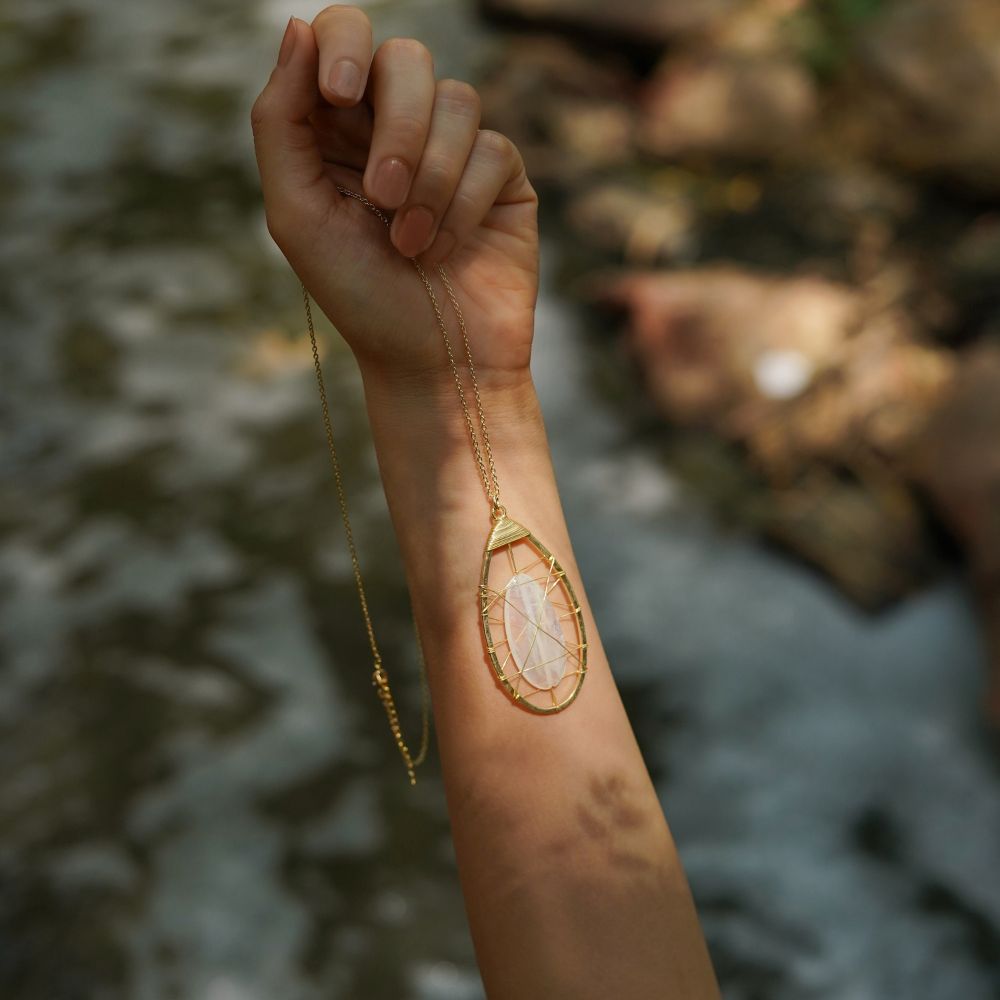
(534, 633)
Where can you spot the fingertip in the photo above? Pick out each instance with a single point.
(288, 156)
(344, 38)
(287, 46)
(292, 41)
(293, 84)
(303, 34)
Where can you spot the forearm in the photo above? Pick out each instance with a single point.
(571, 879)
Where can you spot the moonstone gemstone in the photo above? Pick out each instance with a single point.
(533, 632)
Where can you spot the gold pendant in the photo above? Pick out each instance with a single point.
(532, 621)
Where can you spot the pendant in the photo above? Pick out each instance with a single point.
(532, 622)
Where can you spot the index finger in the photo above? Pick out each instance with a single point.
(344, 36)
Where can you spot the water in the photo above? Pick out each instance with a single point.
(198, 798)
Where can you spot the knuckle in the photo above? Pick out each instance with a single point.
(407, 128)
(458, 96)
(436, 177)
(325, 13)
(463, 205)
(405, 48)
(258, 112)
(340, 10)
(494, 144)
(276, 226)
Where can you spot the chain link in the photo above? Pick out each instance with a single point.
(487, 472)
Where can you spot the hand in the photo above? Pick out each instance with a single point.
(333, 114)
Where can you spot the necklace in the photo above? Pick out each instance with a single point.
(532, 624)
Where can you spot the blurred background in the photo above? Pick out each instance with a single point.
(768, 351)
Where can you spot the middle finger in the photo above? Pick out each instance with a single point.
(402, 94)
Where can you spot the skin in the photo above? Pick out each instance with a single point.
(572, 883)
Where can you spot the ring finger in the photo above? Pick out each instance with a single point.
(493, 174)
(453, 129)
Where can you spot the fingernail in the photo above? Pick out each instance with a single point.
(413, 231)
(345, 80)
(391, 182)
(287, 43)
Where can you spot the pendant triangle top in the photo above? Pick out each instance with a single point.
(504, 532)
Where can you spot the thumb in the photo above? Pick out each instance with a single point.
(288, 156)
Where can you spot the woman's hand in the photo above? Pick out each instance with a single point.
(333, 114)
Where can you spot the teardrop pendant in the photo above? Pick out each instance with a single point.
(532, 622)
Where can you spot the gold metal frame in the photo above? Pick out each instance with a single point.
(504, 535)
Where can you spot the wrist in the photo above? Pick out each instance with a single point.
(506, 393)
(432, 481)
(425, 408)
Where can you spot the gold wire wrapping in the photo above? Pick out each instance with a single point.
(506, 535)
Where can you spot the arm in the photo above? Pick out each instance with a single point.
(572, 884)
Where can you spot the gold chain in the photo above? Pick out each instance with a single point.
(490, 483)
(379, 677)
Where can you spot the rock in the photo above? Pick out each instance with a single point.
(869, 537)
(833, 202)
(728, 104)
(928, 85)
(699, 334)
(650, 23)
(798, 369)
(973, 263)
(825, 393)
(956, 459)
(916, 86)
(568, 114)
(645, 228)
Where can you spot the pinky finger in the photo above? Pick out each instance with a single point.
(494, 175)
